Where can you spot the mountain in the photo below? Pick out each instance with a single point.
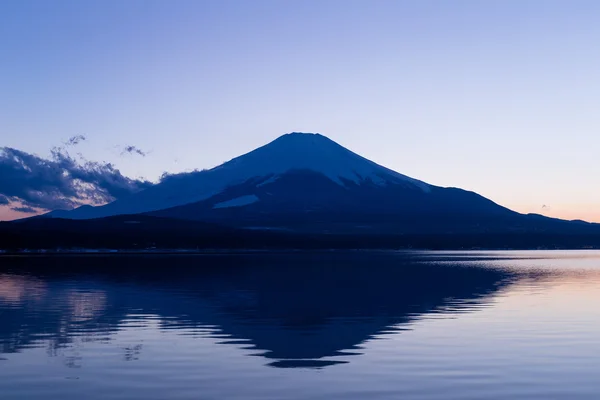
(307, 183)
(289, 153)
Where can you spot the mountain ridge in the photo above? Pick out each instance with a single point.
(309, 184)
(292, 151)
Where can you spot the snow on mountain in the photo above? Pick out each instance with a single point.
(290, 152)
(315, 152)
(238, 201)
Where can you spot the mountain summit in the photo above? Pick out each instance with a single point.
(312, 152)
(290, 153)
(305, 182)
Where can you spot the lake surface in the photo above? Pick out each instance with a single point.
(329, 325)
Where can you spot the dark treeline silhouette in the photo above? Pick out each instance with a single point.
(145, 232)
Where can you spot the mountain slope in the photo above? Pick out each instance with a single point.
(291, 152)
(304, 200)
(308, 183)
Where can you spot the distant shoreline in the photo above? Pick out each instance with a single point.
(129, 252)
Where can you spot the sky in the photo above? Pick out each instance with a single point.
(500, 97)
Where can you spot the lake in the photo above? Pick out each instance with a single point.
(323, 325)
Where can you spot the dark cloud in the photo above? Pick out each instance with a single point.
(75, 140)
(167, 176)
(25, 209)
(133, 150)
(61, 182)
(4, 200)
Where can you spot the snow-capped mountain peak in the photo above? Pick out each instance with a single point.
(314, 152)
(288, 153)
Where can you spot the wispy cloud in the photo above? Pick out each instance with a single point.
(75, 140)
(133, 150)
(25, 209)
(60, 182)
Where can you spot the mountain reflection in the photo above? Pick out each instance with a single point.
(296, 310)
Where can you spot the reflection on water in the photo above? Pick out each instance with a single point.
(296, 311)
(112, 320)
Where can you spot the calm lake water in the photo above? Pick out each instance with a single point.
(330, 325)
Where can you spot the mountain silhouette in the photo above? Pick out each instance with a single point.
(307, 183)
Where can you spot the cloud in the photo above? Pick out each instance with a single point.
(133, 150)
(4, 200)
(28, 210)
(60, 182)
(168, 176)
(75, 140)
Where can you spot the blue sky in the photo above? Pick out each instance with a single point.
(499, 97)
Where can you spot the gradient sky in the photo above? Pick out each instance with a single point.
(499, 97)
